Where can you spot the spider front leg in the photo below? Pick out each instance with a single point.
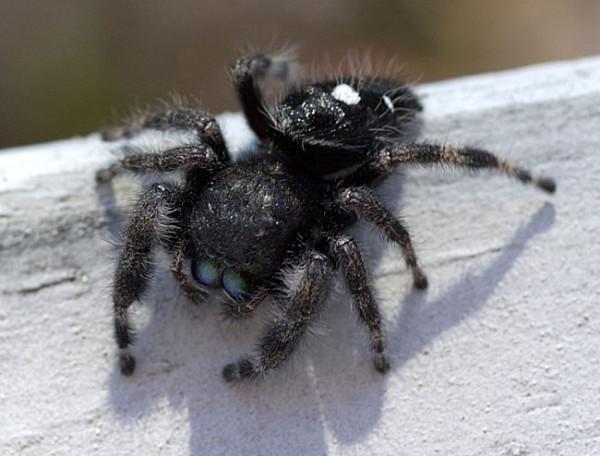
(365, 204)
(246, 73)
(473, 158)
(152, 222)
(285, 331)
(348, 255)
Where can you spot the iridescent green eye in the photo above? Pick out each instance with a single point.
(206, 272)
(235, 285)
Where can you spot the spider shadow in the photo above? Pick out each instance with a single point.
(418, 324)
(181, 351)
(352, 409)
(109, 211)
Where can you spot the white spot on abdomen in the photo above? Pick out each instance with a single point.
(346, 94)
(388, 102)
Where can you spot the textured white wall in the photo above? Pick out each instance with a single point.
(498, 357)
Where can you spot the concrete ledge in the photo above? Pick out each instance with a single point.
(499, 357)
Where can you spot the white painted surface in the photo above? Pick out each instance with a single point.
(499, 357)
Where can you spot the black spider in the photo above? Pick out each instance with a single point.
(274, 223)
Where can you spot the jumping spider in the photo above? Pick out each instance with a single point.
(244, 226)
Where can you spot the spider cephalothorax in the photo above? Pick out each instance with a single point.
(244, 225)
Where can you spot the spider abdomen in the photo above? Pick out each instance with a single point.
(332, 126)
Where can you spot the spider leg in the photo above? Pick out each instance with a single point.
(285, 332)
(246, 73)
(424, 154)
(152, 222)
(365, 204)
(350, 260)
(186, 157)
(178, 118)
(210, 149)
(194, 294)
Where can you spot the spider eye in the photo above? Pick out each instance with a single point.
(235, 285)
(206, 271)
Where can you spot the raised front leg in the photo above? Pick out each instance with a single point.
(286, 330)
(152, 222)
(365, 204)
(246, 73)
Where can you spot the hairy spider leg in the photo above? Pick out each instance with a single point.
(184, 157)
(176, 118)
(207, 154)
(152, 222)
(365, 204)
(424, 154)
(246, 73)
(285, 331)
(350, 260)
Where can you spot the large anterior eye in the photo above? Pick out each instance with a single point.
(206, 272)
(235, 285)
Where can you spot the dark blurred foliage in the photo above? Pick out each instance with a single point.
(70, 66)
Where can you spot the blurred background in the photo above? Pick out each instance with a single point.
(69, 67)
